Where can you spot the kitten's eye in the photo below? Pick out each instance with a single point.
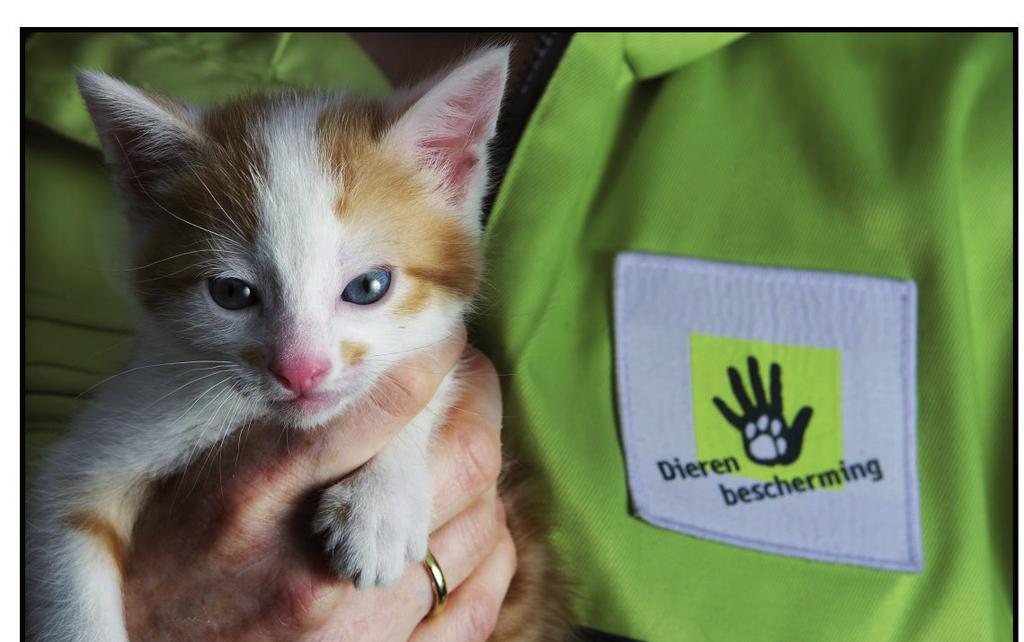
(232, 294)
(367, 288)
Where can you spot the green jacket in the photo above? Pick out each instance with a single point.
(873, 155)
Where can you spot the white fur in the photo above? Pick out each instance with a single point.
(179, 398)
(132, 111)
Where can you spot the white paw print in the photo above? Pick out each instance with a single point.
(765, 439)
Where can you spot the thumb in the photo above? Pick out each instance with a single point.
(802, 419)
(401, 394)
(280, 468)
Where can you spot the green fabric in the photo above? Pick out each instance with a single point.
(78, 319)
(199, 67)
(878, 154)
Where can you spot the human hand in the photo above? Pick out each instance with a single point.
(767, 438)
(225, 551)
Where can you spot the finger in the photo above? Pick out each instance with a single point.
(283, 469)
(459, 547)
(727, 412)
(802, 419)
(737, 389)
(466, 455)
(775, 385)
(481, 390)
(755, 382)
(461, 544)
(400, 395)
(472, 611)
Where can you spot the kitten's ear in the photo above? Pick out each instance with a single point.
(141, 132)
(448, 128)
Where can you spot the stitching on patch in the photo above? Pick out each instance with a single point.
(908, 311)
(620, 361)
(907, 294)
(765, 273)
(772, 546)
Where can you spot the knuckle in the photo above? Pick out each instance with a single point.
(406, 393)
(255, 492)
(506, 548)
(481, 616)
(480, 366)
(304, 597)
(232, 524)
(269, 470)
(236, 540)
(483, 387)
(480, 532)
(244, 522)
(478, 459)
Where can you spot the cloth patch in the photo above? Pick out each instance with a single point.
(770, 408)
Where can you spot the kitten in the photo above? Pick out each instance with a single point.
(279, 244)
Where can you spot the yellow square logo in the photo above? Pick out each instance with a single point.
(774, 409)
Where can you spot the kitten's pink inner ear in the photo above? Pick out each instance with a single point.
(458, 149)
(451, 125)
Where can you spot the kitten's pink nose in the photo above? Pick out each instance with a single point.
(301, 374)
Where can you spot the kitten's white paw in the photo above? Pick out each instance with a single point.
(372, 530)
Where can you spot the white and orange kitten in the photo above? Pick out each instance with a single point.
(279, 245)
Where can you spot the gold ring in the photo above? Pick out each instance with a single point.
(438, 581)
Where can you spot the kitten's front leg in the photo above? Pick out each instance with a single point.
(78, 596)
(77, 546)
(376, 520)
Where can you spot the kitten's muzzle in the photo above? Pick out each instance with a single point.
(301, 375)
(312, 403)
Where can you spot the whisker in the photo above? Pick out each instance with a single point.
(181, 254)
(189, 383)
(215, 445)
(199, 398)
(153, 365)
(227, 216)
(416, 349)
(198, 441)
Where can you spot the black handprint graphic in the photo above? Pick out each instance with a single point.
(766, 437)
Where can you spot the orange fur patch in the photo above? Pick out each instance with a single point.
(352, 352)
(347, 131)
(378, 190)
(417, 294)
(107, 535)
(251, 357)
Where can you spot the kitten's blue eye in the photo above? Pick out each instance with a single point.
(367, 288)
(232, 294)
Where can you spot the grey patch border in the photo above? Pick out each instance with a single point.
(906, 290)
